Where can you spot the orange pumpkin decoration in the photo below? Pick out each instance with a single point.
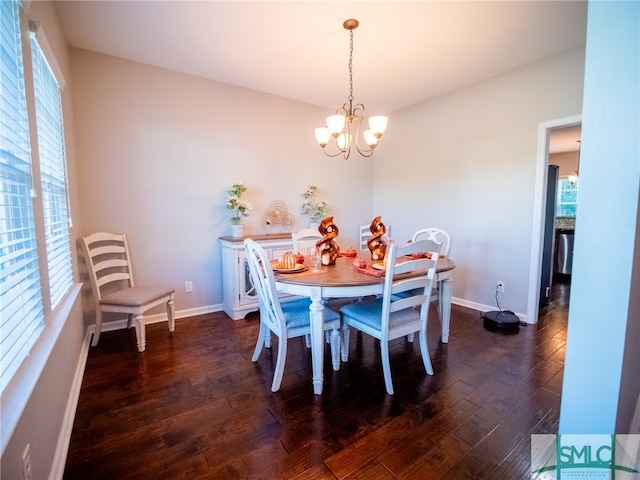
(288, 261)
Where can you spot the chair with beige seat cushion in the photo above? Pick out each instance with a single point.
(403, 308)
(109, 267)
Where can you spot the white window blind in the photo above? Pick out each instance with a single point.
(21, 308)
(51, 153)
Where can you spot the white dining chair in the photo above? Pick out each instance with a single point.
(302, 241)
(305, 239)
(437, 234)
(365, 235)
(111, 277)
(442, 236)
(392, 316)
(285, 319)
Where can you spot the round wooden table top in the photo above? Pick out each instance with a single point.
(343, 274)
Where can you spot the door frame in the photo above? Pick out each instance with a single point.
(540, 193)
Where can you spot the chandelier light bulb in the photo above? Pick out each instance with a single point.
(322, 136)
(335, 123)
(573, 179)
(344, 142)
(377, 124)
(370, 138)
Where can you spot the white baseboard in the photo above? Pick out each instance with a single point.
(483, 308)
(64, 438)
(160, 317)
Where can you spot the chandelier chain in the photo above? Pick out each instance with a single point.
(350, 66)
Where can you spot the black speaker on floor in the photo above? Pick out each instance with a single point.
(501, 321)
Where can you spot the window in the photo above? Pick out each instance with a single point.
(567, 198)
(25, 297)
(53, 174)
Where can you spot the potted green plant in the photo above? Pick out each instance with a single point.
(239, 209)
(313, 207)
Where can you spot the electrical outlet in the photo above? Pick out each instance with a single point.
(500, 286)
(27, 472)
(188, 286)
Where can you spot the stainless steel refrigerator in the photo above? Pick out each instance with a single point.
(549, 235)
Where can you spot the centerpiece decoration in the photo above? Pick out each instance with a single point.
(377, 246)
(313, 207)
(327, 246)
(239, 209)
(288, 261)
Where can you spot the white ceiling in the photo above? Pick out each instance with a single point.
(404, 52)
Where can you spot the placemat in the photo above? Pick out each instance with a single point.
(368, 270)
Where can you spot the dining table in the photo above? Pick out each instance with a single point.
(344, 280)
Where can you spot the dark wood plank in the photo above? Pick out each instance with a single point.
(436, 462)
(193, 405)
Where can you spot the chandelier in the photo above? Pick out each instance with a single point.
(340, 126)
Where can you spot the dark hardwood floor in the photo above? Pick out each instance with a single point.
(194, 406)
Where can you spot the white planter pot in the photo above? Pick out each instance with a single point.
(237, 231)
(314, 225)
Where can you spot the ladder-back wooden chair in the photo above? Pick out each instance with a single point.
(109, 268)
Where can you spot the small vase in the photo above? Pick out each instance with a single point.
(314, 225)
(237, 231)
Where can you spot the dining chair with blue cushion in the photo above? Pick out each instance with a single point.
(285, 319)
(304, 240)
(442, 236)
(365, 234)
(436, 234)
(403, 308)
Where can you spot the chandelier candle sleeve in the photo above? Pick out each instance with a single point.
(350, 116)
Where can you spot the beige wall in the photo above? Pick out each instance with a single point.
(158, 149)
(466, 162)
(566, 161)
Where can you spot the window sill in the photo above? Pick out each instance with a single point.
(17, 393)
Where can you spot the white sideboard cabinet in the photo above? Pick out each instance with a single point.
(239, 296)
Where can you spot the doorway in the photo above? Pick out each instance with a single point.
(561, 203)
(545, 132)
